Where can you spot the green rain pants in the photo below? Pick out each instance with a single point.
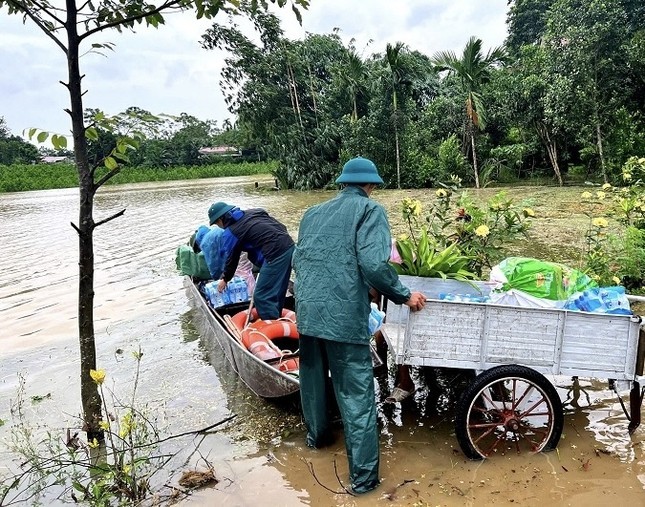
(352, 378)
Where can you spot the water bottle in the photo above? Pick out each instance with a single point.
(591, 301)
(234, 288)
(615, 300)
(225, 295)
(213, 295)
(244, 291)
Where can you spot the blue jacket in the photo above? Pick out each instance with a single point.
(343, 249)
(208, 240)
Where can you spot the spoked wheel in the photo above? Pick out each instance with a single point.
(508, 409)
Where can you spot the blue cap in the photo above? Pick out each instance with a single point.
(359, 170)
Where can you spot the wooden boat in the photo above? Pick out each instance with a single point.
(262, 377)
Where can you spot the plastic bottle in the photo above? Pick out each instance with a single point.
(213, 295)
(234, 290)
(225, 295)
(615, 300)
(244, 290)
(591, 301)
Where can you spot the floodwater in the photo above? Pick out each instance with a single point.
(259, 457)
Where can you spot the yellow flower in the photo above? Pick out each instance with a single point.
(104, 425)
(599, 222)
(586, 195)
(627, 176)
(402, 237)
(482, 231)
(441, 193)
(616, 280)
(606, 186)
(600, 194)
(411, 207)
(98, 376)
(127, 469)
(528, 212)
(93, 444)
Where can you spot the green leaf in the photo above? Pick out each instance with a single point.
(111, 163)
(91, 134)
(42, 137)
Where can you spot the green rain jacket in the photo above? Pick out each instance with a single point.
(343, 249)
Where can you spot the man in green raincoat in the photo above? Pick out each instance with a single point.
(343, 249)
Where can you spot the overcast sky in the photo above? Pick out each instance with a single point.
(165, 70)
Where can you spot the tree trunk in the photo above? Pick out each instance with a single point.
(551, 149)
(601, 154)
(398, 159)
(472, 144)
(90, 398)
(396, 141)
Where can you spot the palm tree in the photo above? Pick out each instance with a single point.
(353, 78)
(473, 70)
(398, 78)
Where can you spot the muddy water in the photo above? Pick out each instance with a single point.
(259, 458)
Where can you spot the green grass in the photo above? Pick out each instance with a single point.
(20, 178)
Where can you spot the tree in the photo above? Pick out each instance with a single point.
(398, 78)
(283, 93)
(526, 23)
(586, 43)
(15, 150)
(473, 70)
(70, 28)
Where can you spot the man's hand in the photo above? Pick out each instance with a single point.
(221, 285)
(417, 301)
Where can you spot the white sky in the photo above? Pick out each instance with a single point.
(165, 70)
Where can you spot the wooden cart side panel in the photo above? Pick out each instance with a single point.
(599, 343)
(640, 360)
(480, 336)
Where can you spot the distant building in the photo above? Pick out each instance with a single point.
(50, 159)
(220, 151)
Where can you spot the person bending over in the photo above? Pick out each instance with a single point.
(268, 245)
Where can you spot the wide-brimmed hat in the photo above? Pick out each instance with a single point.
(217, 210)
(359, 170)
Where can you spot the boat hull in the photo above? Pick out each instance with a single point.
(262, 378)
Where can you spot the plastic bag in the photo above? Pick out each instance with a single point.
(190, 263)
(542, 279)
(395, 257)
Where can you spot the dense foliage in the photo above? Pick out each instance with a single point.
(13, 149)
(564, 99)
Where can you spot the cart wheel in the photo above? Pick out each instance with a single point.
(508, 408)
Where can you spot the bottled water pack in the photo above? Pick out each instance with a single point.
(236, 291)
(610, 300)
(464, 298)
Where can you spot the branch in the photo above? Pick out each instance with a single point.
(116, 215)
(111, 174)
(310, 466)
(125, 21)
(20, 6)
